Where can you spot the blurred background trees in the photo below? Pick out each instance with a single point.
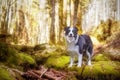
(33, 25)
(42, 21)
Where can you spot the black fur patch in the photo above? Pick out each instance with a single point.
(85, 44)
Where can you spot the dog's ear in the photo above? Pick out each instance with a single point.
(66, 28)
(76, 29)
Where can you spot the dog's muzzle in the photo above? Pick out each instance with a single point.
(71, 35)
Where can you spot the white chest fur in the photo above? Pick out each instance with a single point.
(73, 48)
(71, 45)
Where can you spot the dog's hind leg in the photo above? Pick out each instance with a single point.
(89, 57)
(89, 53)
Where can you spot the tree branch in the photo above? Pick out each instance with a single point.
(12, 3)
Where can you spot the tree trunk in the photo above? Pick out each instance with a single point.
(61, 21)
(76, 3)
(65, 13)
(52, 28)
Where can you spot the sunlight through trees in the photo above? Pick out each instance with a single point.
(42, 21)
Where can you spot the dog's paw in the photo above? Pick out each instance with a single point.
(69, 66)
(89, 64)
(78, 65)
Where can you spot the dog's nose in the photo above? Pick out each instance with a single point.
(70, 35)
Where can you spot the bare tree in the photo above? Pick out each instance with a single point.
(52, 28)
(76, 3)
(60, 20)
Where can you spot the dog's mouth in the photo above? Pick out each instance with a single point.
(70, 36)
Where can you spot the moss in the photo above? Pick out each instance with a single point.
(4, 49)
(106, 69)
(100, 57)
(110, 68)
(101, 70)
(5, 75)
(25, 58)
(13, 58)
(57, 62)
(8, 54)
(51, 52)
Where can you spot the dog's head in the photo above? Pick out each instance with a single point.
(71, 32)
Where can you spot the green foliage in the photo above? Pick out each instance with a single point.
(5, 74)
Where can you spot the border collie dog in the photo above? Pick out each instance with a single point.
(78, 45)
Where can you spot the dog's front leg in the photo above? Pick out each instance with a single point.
(79, 60)
(71, 60)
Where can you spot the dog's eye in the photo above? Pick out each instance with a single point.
(74, 31)
(68, 31)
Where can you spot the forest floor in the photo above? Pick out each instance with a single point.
(50, 62)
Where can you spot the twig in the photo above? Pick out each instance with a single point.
(57, 72)
(43, 73)
(20, 72)
(35, 75)
(46, 74)
(50, 77)
(12, 3)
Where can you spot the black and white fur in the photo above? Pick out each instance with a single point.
(78, 45)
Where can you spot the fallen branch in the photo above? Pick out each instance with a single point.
(57, 72)
(43, 73)
(19, 72)
(35, 75)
